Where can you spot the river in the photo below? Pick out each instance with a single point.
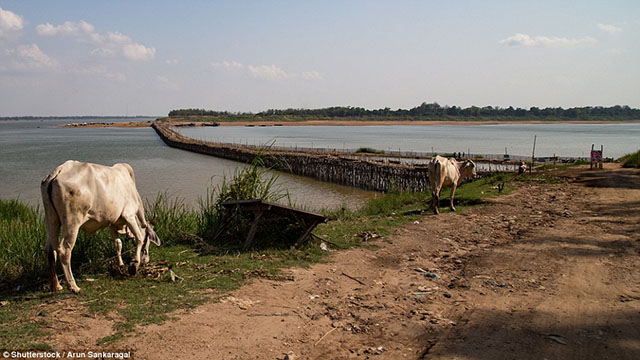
(569, 140)
(30, 149)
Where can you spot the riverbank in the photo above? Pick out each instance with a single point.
(195, 123)
(207, 273)
(549, 267)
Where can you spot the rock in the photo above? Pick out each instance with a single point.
(289, 356)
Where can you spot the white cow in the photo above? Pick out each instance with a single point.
(447, 172)
(78, 195)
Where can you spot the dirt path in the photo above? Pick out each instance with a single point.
(550, 271)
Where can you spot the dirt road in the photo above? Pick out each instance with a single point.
(549, 271)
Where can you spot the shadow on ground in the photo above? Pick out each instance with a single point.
(493, 335)
(623, 178)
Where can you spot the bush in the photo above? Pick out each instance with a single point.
(248, 182)
(631, 160)
(368, 150)
(22, 235)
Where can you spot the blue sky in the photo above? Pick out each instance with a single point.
(148, 57)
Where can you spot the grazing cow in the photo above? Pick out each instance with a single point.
(447, 172)
(78, 195)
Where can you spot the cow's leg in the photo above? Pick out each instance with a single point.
(434, 201)
(145, 251)
(132, 223)
(437, 201)
(453, 192)
(117, 243)
(69, 236)
(53, 230)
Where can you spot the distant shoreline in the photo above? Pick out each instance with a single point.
(141, 124)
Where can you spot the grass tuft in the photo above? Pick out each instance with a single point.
(631, 160)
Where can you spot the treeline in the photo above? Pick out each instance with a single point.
(434, 111)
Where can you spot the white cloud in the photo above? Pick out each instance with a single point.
(99, 70)
(268, 72)
(139, 52)
(68, 28)
(102, 52)
(263, 72)
(10, 22)
(228, 65)
(30, 57)
(171, 61)
(110, 44)
(611, 29)
(118, 38)
(311, 75)
(545, 41)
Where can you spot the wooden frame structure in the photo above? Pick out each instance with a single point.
(596, 156)
(265, 211)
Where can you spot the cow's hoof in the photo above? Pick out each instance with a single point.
(75, 289)
(133, 269)
(58, 288)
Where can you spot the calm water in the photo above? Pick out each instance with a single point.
(31, 149)
(28, 153)
(561, 139)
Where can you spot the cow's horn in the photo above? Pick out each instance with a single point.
(154, 221)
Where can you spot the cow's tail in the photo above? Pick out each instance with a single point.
(51, 214)
(435, 179)
(52, 219)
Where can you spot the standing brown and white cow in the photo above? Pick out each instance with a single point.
(89, 197)
(447, 172)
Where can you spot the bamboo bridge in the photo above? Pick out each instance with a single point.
(328, 166)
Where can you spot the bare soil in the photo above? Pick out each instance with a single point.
(549, 271)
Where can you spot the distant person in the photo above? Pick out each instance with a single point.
(523, 168)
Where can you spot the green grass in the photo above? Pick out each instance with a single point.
(151, 297)
(631, 160)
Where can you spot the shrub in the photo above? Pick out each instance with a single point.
(248, 182)
(631, 160)
(368, 150)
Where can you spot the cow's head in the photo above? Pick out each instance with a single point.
(468, 169)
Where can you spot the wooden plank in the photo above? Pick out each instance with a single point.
(257, 203)
(306, 234)
(252, 230)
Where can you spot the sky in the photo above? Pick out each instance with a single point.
(124, 57)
